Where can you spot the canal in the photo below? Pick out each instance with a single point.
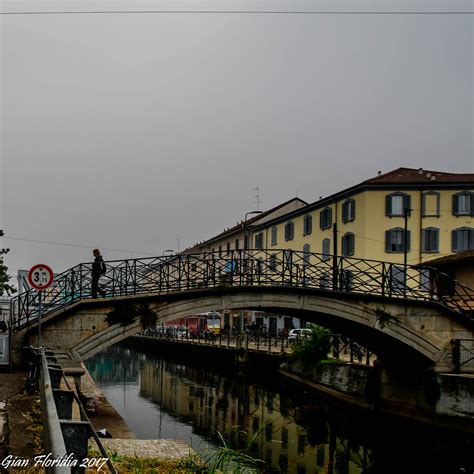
(294, 430)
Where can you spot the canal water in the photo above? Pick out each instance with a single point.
(294, 431)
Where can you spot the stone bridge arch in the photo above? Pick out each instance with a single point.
(399, 331)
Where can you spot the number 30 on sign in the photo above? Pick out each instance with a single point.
(40, 277)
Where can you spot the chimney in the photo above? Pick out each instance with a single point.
(379, 173)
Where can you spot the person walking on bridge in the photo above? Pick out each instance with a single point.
(98, 269)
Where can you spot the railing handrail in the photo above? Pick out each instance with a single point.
(247, 267)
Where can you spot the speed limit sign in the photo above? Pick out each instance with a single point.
(40, 277)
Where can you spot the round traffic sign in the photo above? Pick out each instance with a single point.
(40, 277)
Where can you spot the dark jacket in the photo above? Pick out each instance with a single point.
(98, 265)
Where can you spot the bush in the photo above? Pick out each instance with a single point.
(315, 348)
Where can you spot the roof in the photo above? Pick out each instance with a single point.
(419, 176)
(408, 178)
(460, 257)
(239, 227)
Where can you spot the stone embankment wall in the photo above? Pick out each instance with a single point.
(439, 398)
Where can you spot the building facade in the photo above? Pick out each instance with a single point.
(406, 213)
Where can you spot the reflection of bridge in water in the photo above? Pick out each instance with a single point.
(395, 310)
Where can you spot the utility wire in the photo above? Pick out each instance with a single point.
(80, 246)
(235, 12)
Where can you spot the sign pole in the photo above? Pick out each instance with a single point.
(39, 317)
(40, 277)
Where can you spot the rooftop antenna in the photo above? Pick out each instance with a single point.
(257, 197)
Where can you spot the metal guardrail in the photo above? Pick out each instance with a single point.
(65, 439)
(463, 355)
(340, 346)
(257, 268)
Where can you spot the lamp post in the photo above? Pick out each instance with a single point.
(406, 215)
(246, 246)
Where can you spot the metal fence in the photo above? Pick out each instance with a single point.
(463, 355)
(262, 268)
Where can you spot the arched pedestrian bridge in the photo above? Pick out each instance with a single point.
(404, 314)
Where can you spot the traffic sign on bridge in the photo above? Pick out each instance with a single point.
(40, 277)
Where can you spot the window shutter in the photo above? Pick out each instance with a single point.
(408, 241)
(454, 237)
(353, 206)
(424, 240)
(387, 240)
(455, 205)
(472, 204)
(436, 240)
(471, 239)
(407, 203)
(329, 217)
(352, 244)
(344, 212)
(388, 205)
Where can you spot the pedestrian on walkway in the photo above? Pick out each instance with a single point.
(98, 269)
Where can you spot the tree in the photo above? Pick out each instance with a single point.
(5, 287)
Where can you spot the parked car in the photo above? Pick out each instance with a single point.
(296, 335)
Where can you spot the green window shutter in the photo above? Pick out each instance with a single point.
(388, 205)
(455, 204)
(454, 240)
(471, 239)
(407, 203)
(387, 240)
(408, 241)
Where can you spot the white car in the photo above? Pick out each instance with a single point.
(296, 335)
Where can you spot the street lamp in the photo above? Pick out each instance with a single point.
(406, 215)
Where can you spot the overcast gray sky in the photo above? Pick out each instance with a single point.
(130, 131)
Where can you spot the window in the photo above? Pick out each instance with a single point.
(236, 244)
(259, 240)
(306, 255)
(348, 210)
(272, 262)
(348, 244)
(307, 224)
(430, 239)
(325, 218)
(396, 203)
(463, 239)
(288, 258)
(289, 231)
(220, 250)
(326, 249)
(430, 204)
(228, 247)
(463, 204)
(395, 240)
(274, 235)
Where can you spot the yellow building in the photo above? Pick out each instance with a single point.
(432, 212)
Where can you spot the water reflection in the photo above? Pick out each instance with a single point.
(161, 398)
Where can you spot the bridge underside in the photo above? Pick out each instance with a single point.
(399, 331)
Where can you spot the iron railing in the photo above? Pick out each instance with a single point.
(341, 347)
(289, 268)
(463, 355)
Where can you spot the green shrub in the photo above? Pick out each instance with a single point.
(314, 349)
